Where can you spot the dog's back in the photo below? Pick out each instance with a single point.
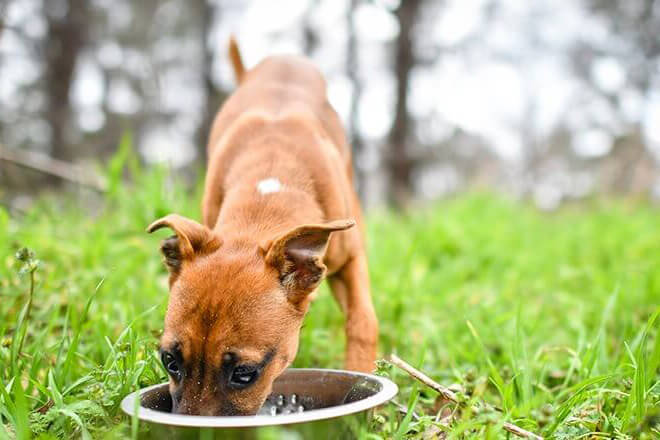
(283, 97)
(277, 87)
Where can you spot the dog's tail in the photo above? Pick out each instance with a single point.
(236, 60)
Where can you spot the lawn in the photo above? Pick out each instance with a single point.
(547, 317)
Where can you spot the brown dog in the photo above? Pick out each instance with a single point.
(278, 185)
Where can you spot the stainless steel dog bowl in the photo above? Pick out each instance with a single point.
(337, 404)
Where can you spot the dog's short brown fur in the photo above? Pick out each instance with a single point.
(240, 284)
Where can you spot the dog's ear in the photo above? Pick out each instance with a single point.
(191, 239)
(298, 256)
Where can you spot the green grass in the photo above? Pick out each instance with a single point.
(551, 318)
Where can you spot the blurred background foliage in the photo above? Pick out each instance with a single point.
(546, 101)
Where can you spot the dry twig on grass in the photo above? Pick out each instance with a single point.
(450, 395)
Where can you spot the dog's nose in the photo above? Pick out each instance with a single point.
(209, 412)
(187, 410)
(184, 407)
(197, 409)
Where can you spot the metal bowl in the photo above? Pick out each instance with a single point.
(337, 404)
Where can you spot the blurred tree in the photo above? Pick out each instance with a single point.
(399, 163)
(67, 30)
(213, 96)
(634, 45)
(352, 70)
(310, 36)
(3, 14)
(636, 23)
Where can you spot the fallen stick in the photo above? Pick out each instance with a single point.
(450, 395)
(54, 167)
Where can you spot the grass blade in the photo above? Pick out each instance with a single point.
(405, 423)
(21, 412)
(637, 399)
(495, 376)
(77, 420)
(577, 394)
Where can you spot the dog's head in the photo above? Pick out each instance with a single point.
(235, 312)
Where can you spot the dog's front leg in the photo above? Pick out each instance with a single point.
(350, 287)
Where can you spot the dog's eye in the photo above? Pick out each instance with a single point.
(171, 365)
(243, 376)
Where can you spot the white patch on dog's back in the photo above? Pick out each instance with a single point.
(270, 185)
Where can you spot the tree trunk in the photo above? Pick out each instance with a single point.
(214, 97)
(3, 11)
(66, 38)
(398, 160)
(352, 70)
(310, 37)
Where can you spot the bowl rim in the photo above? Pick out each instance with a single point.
(388, 391)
